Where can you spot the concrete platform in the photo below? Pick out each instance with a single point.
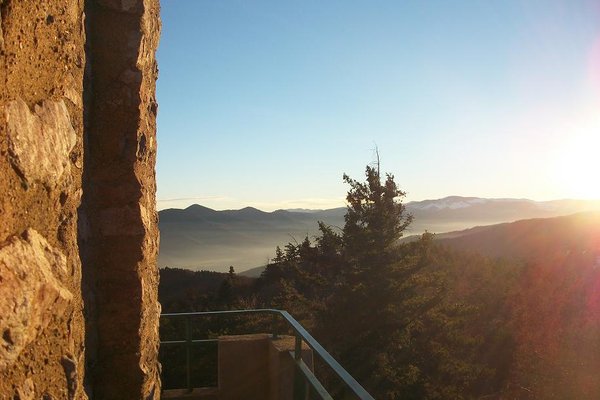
(250, 367)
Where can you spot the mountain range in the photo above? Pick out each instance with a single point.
(198, 237)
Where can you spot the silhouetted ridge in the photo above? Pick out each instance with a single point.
(199, 208)
(531, 238)
(199, 236)
(200, 211)
(247, 212)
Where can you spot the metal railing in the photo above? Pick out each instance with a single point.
(305, 381)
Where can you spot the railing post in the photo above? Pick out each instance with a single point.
(188, 349)
(300, 392)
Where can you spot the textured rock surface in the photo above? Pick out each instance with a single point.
(40, 142)
(31, 293)
(41, 151)
(1, 34)
(26, 391)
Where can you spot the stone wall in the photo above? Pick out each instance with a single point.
(41, 158)
(77, 154)
(120, 233)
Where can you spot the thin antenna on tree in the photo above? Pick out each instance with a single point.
(377, 155)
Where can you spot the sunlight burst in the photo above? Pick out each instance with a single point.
(578, 163)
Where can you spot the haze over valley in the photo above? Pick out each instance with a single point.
(199, 238)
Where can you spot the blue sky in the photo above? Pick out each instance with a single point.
(268, 103)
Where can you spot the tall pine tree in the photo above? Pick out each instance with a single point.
(389, 298)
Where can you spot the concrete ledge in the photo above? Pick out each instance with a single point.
(251, 367)
(258, 367)
(282, 367)
(244, 367)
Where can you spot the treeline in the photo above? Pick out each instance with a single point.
(417, 320)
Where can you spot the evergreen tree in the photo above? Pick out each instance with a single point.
(389, 298)
(375, 220)
(225, 294)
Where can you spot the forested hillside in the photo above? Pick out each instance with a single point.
(426, 319)
(531, 239)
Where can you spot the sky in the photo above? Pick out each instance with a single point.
(268, 103)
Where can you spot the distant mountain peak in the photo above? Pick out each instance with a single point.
(450, 202)
(250, 211)
(460, 202)
(198, 207)
(248, 208)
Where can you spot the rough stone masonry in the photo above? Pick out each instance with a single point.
(78, 225)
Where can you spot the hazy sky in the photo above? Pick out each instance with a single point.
(268, 103)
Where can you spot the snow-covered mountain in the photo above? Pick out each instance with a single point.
(451, 202)
(458, 202)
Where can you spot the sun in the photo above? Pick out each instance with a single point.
(578, 161)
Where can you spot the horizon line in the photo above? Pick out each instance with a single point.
(342, 204)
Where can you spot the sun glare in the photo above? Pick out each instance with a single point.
(578, 161)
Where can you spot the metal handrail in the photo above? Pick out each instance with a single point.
(301, 335)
